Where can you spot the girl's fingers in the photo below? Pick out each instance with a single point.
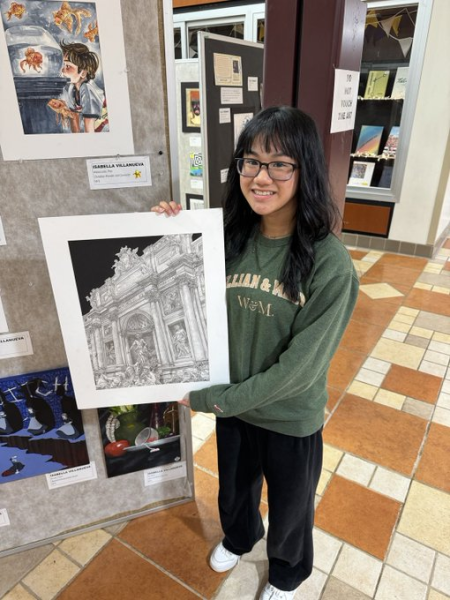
(168, 208)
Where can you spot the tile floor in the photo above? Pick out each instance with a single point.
(383, 503)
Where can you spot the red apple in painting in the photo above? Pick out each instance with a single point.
(114, 449)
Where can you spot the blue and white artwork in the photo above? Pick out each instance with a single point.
(41, 427)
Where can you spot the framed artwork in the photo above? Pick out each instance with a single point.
(63, 75)
(41, 428)
(194, 202)
(190, 107)
(141, 303)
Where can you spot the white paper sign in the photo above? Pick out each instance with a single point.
(129, 171)
(71, 476)
(344, 100)
(15, 344)
(231, 95)
(223, 175)
(196, 184)
(4, 519)
(195, 141)
(165, 473)
(2, 234)
(224, 115)
(3, 324)
(252, 83)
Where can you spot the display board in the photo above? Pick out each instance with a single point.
(230, 91)
(190, 152)
(37, 506)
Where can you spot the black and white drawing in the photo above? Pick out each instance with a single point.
(141, 303)
(144, 317)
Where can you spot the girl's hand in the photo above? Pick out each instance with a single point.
(168, 208)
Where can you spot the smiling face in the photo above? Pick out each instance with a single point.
(273, 200)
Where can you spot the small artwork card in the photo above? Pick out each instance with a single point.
(362, 172)
(369, 140)
(390, 148)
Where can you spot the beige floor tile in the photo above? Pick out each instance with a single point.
(356, 469)
(391, 399)
(48, 578)
(390, 484)
(394, 584)
(414, 340)
(421, 332)
(426, 517)
(370, 377)
(411, 557)
(436, 357)
(338, 590)
(434, 595)
(82, 548)
(331, 457)
(444, 400)
(442, 347)
(405, 317)
(432, 368)
(248, 578)
(397, 325)
(398, 353)
(441, 575)
(435, 322)
(397, 336)
(379, 366)
(405, 310)
(313, 587)
(441, 337)
(358, 570)
(202, 426)
(326, 550)
(423, 286)
(376, 291)
(441, 416)
(325, 477)
(418, 408)
(13, 570)
(363, 390)
(18, 593)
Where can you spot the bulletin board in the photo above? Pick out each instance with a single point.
(231, 79)
(30, 512)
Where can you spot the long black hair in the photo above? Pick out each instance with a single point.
(292, 132)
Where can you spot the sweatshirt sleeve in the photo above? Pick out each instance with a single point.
(316, 333)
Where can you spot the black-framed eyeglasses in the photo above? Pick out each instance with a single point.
(278, 170)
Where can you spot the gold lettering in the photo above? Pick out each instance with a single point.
(265, 286)
(246, 282)
(255, 281)
(278, 290)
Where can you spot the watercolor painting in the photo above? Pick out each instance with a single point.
(55, 56)
(63, 76)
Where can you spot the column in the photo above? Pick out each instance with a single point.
(198, 347)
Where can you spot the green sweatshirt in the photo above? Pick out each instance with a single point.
(280, 351)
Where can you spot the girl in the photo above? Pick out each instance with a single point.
(291, 289)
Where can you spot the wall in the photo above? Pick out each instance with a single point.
(33, 189)
(414, 213)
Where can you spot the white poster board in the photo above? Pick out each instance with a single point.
(141, 303)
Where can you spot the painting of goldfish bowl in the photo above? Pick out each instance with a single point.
(33, 51)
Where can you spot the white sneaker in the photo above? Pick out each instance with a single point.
(272, 593)
(222, 559)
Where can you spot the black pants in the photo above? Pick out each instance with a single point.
(292, 468)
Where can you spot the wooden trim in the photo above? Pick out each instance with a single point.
(184, 3)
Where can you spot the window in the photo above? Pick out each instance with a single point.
(234, 30)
